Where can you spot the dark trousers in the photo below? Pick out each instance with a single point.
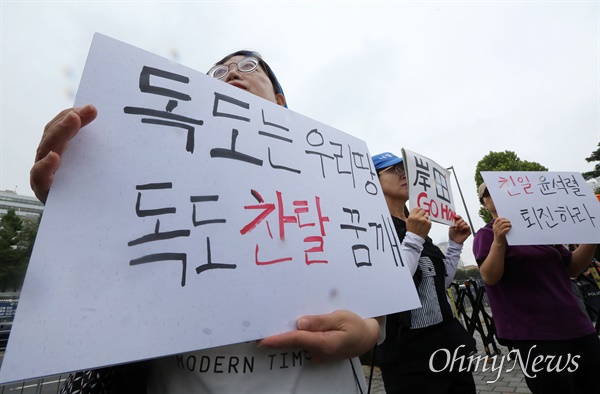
(566, 367)
(412, 368)
(397, 381)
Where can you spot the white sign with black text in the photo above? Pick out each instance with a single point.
(192, 214)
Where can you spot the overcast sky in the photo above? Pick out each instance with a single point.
(449, 80)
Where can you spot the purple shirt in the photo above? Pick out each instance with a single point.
(534, 299)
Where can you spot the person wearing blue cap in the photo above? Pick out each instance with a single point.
(320, 357)
(414, 356)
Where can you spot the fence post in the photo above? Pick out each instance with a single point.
(452, 302)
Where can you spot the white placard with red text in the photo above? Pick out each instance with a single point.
(192, 214)
(545, 208)
(429, 187)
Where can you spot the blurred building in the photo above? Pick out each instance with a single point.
(26, 207)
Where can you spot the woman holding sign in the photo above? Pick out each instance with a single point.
(535, 308)
(319, 357)
(418, 342)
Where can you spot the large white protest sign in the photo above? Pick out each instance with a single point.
(429, 187)
(545, 208)
(192, 214)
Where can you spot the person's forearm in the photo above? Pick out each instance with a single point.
(492, 267)
(382, 323)
(377, 331)
(581, 258)
(410, 251)
(452, 259)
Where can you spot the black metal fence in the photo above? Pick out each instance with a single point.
(472, 307)
(48, 385)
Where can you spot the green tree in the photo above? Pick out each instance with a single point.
(466, 274)
(460, 274)
(16, 243)
(595, 156)
(502, 161)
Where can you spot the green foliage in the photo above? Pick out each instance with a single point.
(16, 243)
(485, 215)
(595, 173)
(502, 161)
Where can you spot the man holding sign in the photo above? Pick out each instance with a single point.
(413, 338)
(336, 338)
(535, 308)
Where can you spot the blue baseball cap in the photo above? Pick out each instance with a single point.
(385, 159)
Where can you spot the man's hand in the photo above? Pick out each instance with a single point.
(501, 227)
(57, 134)
(418, 222)
(460, 231)
(334, 336)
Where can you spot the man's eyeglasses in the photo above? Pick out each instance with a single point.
(246, 65)
(399, 168)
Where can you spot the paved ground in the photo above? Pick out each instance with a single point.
(508, 381)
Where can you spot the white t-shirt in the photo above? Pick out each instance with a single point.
(244, 368)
